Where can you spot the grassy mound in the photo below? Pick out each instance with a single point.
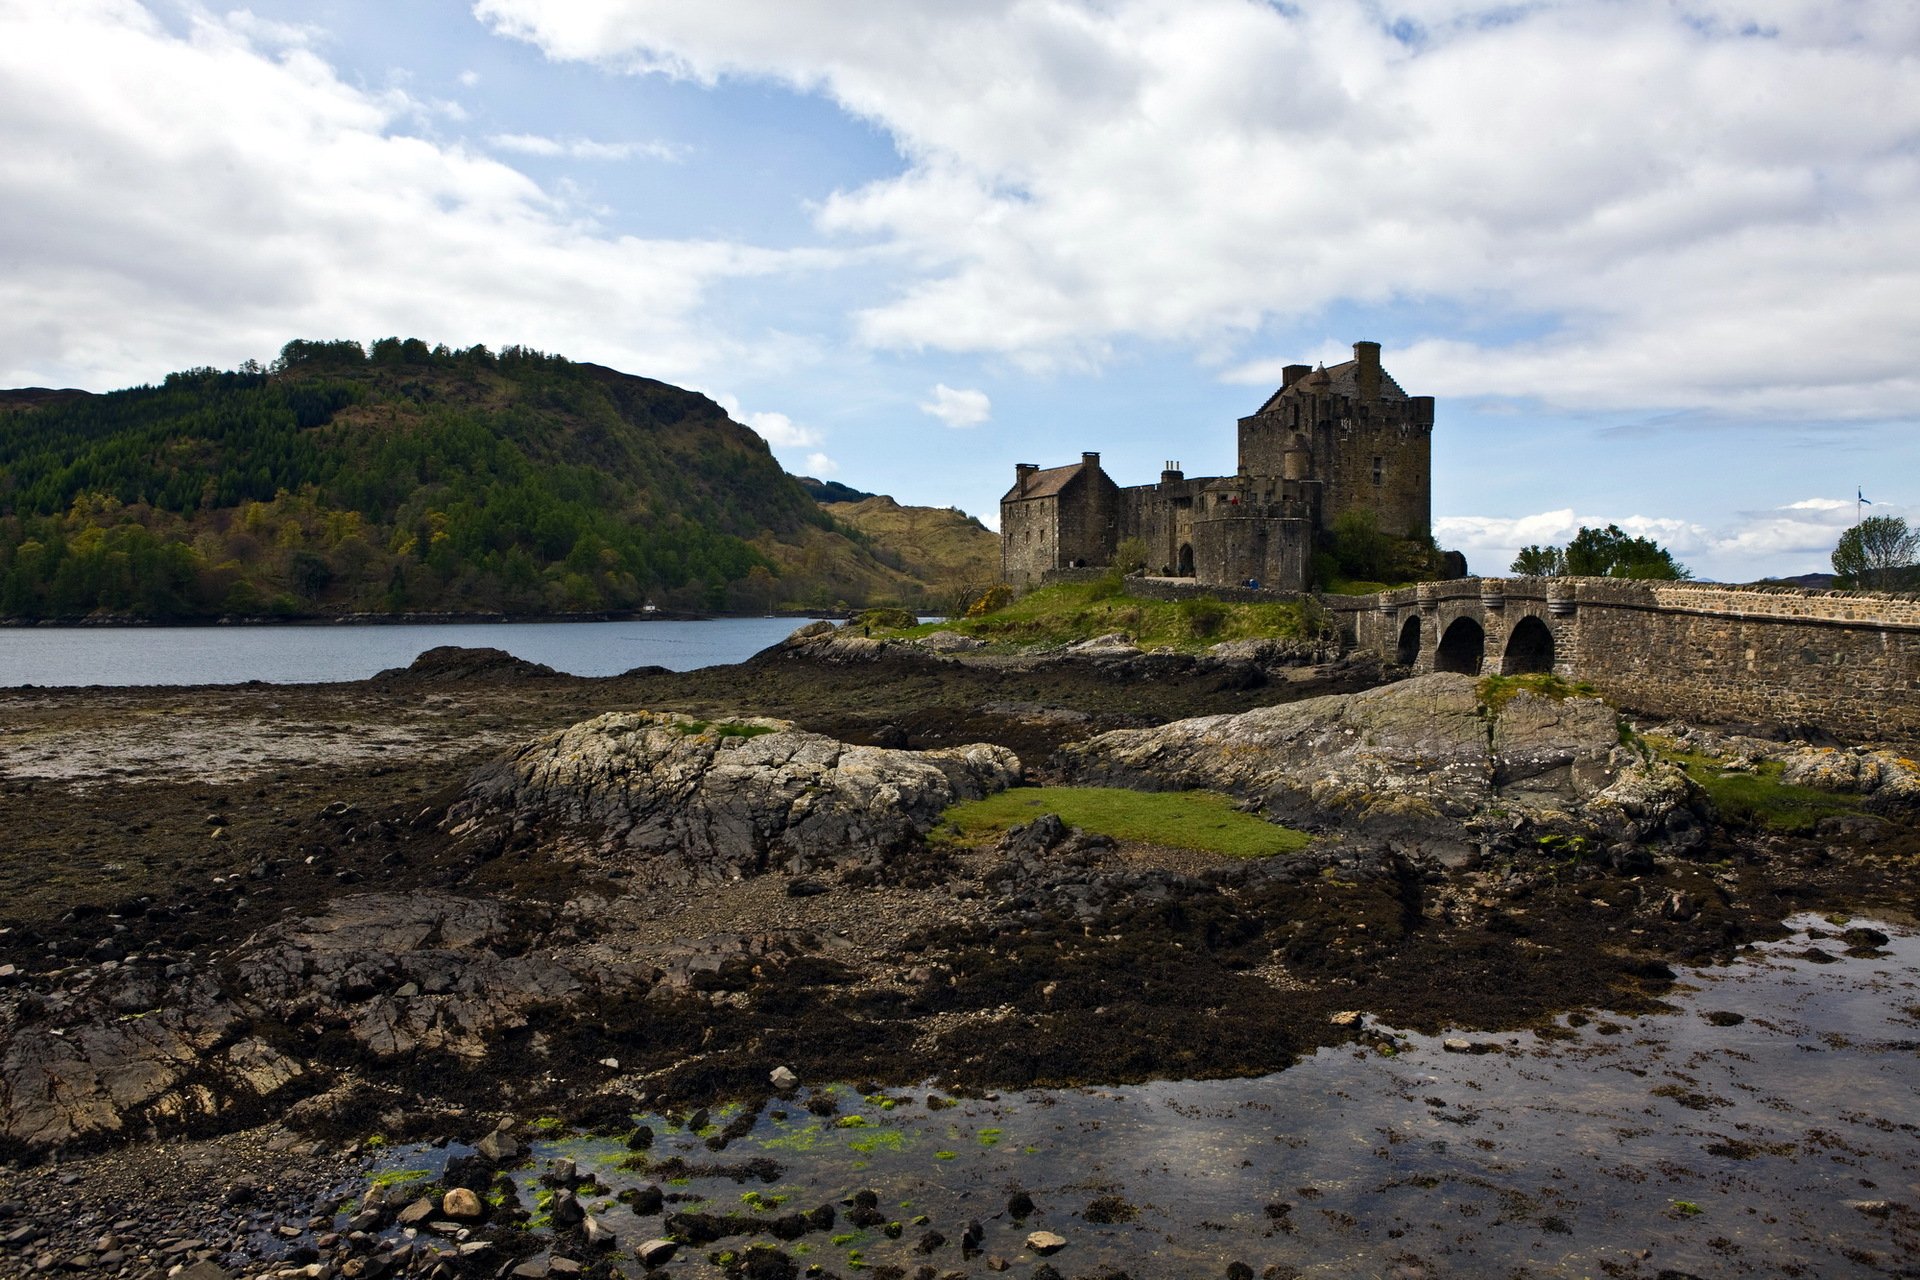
(1070, 612)
(1756, 797)
(1202, 820)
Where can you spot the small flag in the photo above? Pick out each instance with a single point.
(1862, 497)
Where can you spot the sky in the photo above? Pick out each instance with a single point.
(1657, 260)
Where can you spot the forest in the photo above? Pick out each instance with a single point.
(392, 478)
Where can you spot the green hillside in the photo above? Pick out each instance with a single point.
(401, 478)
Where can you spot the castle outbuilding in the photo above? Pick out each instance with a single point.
(1328, 442)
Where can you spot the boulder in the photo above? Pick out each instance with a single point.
(950, 642)
(685, 800)
(462, 1205)
(1115, 644)
(1424, 759)
(656, 1253)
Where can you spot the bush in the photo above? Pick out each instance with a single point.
(992, 600)
(1202, 616)
(886, 619)
(1130, 556)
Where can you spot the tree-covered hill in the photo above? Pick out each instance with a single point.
(400, 478)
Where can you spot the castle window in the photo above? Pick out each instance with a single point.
(1379, 469)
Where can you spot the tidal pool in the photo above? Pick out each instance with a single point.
(1768, 1125)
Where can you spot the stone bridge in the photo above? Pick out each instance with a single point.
(1491, 626)
(1844, 661)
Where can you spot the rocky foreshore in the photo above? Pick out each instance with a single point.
(471, 893)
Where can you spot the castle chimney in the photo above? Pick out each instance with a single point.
(1090, 460)
(1022, 475)
(1170, 473)
(1367, 356)
(1293, 373)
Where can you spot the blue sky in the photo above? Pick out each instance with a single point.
(1658, 260)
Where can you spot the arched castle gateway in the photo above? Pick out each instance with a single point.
(1329, 441)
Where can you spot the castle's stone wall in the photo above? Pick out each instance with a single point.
(1848, 662)
(1383, 464)
(1161, 515)
(1089, 519)
(1273, 552)
(1029, 539)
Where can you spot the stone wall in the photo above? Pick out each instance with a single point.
(1848, 662)
(1231, 548)
(1029, 539)
(1089, 518)
(1381, 463)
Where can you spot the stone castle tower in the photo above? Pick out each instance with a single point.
(1329, 441)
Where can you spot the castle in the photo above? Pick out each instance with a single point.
(1329, 441)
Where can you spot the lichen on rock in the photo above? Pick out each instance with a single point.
(682, 800)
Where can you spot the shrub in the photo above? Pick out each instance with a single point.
(992, 600)
(1202, 616)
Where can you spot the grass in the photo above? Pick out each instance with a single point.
(1756, 799)
(1495, 692)
(1201, 820)
(1070, 612)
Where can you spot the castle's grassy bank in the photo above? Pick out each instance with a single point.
(1071, 612)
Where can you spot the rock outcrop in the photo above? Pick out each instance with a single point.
(1423, 759)
(449, 663)
(680, 800)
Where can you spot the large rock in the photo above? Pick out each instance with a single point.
(687, 800)
(402, 975)
(1422, 756)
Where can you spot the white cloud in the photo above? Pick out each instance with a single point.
(778, 430)
(1696, 202)
(958, 408)
(819, 465)
(168, 201)
(469, 78)
(1754, 543)
(534, 144)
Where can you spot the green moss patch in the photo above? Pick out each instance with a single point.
(1495, 692)
(1201, 820)
(1756, 797)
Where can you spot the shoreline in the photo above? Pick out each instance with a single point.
(404, 619)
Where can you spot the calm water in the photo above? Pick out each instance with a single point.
(1642, 1147)
(51, 656)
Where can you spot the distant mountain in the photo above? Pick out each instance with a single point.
(405, 478)
(938, 545)
(825, 491)
(1805, 581)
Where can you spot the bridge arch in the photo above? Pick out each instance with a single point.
(1463, 647)
(1408, 653)
(1529, 648)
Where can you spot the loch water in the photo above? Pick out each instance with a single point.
(325, 653)
(1764, 1126)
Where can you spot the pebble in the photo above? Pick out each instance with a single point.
(1046, 1242)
